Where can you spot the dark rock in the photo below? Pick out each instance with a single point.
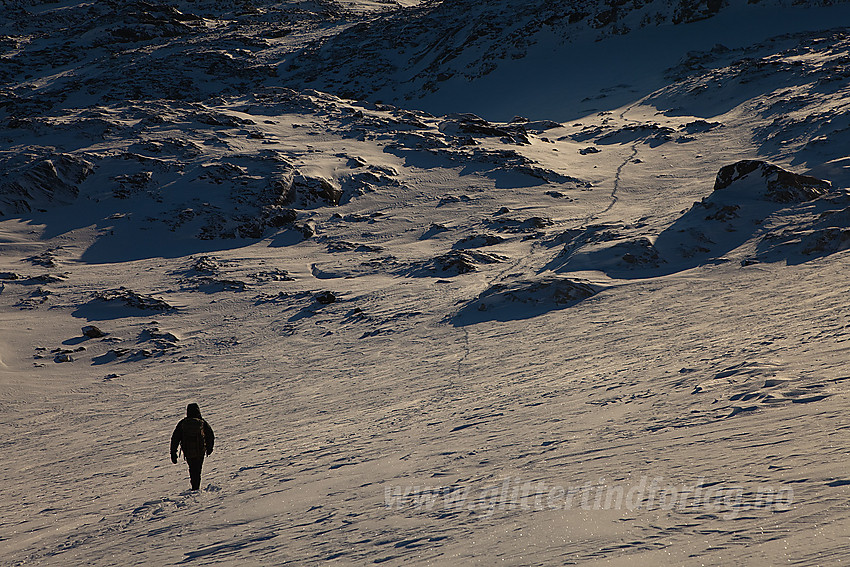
(93, 332)
(156, 334)
(325, 297)
(280, 217)
(530, 224)
(525, 298)
(205, 265)
(700, 126)
(464, 261)
(478, 240)
(272, 276)
(309, 229)
(514, 133)
(311, 191)
(446, 199)
(132, 299)
(639, 252)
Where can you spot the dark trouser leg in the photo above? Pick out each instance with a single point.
(195, 471)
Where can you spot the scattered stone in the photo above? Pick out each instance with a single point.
(553, 289)
(325, 297)
(272, 276)
(214, 285)
(825, 241)
(309, 229)
(470, 124)
(92, 332)
(446, 199)
(45, 278)
(640, 252)
(205, 265)
(345, 246)
(38, 297)
(589, 150)
(131, 184)
(720, 213)
(46, 259)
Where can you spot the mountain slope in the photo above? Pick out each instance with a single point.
(616, 336)
(538, 59)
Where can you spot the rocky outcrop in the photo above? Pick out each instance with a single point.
(525, 298)
(132, 299)
(459, 262)
(771, 182)
(35, 182)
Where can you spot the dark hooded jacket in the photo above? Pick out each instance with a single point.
(192, 412)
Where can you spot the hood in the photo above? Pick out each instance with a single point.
(192, 410)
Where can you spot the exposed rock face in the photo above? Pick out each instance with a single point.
(771, 181)
(459, 262)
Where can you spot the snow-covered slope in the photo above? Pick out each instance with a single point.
(610, 329)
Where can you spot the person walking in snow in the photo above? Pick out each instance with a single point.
(196, 438)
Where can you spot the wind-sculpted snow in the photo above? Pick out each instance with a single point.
(591, 308)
